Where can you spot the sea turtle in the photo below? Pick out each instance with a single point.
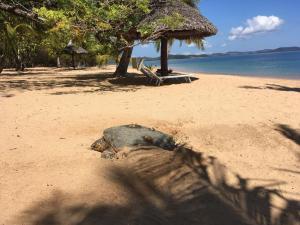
(130, 137)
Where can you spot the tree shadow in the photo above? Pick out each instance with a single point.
(47, 79)
(251, 87)
(87, 83)
(274, 87)
(288, 171)
(142, 80)
(169, 188)
(277, 87)
(40, 71)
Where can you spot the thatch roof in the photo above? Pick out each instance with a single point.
(193, 24)
(72, 49)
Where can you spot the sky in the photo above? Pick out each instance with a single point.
(243, 25)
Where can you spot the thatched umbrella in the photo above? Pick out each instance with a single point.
(72, 50)
(191, 26)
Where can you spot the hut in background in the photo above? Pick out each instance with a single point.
(72, 50)
(192, 26)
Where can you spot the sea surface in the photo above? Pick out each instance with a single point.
(285, 64)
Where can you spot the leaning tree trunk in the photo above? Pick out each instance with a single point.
(122, 67)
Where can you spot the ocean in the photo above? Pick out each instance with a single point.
(283, 65)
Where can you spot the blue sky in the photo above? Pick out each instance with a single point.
(244, 25)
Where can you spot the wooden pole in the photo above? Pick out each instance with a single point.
(164, 57)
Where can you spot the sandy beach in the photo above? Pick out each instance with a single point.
(50, 117)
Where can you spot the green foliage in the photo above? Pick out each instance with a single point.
(16, 41)
(102, 60)
(59, 31)
(101, 27)
(150, 67)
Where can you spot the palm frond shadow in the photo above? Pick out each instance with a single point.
(164, 187)
(289, 132)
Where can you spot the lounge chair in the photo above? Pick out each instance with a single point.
(140, 63)
(137, 63)
(160, 80)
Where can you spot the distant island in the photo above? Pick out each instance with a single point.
(282, 49)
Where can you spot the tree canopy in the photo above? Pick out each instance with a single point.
(101, 27)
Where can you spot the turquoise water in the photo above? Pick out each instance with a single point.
(285, 64)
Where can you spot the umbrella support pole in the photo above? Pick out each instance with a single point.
(164, 57)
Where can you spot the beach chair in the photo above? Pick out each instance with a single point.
(140, 64)
(160, 80)
(137, 63)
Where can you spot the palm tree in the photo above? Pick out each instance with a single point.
(11, 41)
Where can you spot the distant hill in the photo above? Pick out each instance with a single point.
(282, 49)
(264, 51)
(177, 57)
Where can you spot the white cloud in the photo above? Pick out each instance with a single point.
(145, 45)
(224, 45)
(192, 45)
(258, 24)
(207, 44)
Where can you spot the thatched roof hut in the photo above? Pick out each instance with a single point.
(191, 25)
(72, 50)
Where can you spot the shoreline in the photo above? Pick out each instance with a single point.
(281, 77)
(241, 75)
(180, 70)
(282, 65)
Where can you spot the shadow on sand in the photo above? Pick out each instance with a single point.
(86, 83)
(274, 87)
(288, 132)
(169, 188)
(291, 134)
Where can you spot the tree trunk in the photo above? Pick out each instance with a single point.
(122, 67)
(164, 57)
(19, 65)
(1, 63)
(58, 62)
(73, 61)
